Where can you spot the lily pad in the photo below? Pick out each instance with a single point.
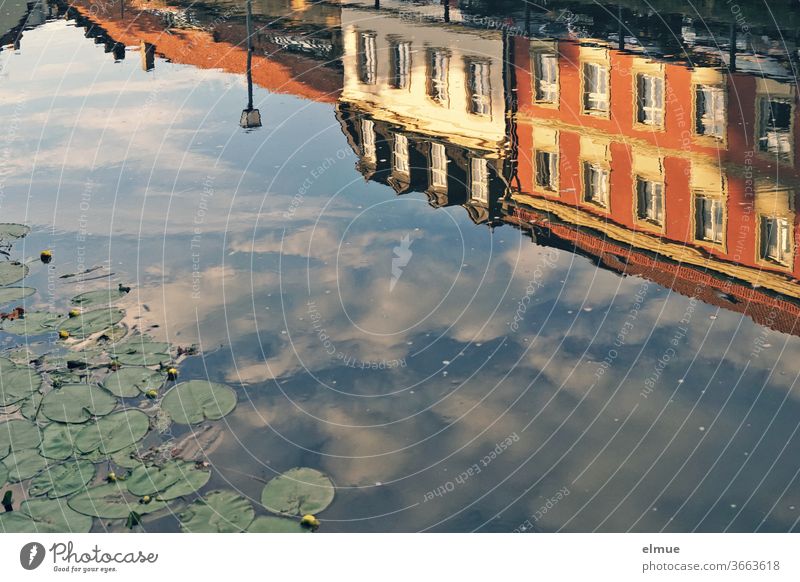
(11, 230)
(44, 516)
(99, 297)
(114, 432)
(24, 464)
(111, 501)
(11, 272)
(274, 524)
(141, 351)
(218, 512)
(3, 474)
(171, 481)
(77, 403)
(131, 382)
(191, 480)
(18, 434)
(33, 323)
(29, 408)
(298, 491)
(197, 400)
(64, 479)
(17, 384)
(9, 294)
(85, 324)
(58, 440)
(127, 458)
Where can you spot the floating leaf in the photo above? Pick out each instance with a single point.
(45, 516)
(24, 464)
(17, 384)
(18, 434)
(33, 323)
(11, 272)
(111, 501)
(91, 322)
(198, 400)
(29, 407)
(9, 294)
(3, 474)
(77, 403)
(192, 479)
(298, 491)
(99, 297)
(131, 382)
(113, 432)
(58, 440)
(64, 479)
(10, 230)
(170, 481)
(218, 512)
(274, 524)
(150, 479)
(127, 458)
(141, 351)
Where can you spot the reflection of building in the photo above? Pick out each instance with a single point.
(215, 40)
(661, 170)
(684, 175)
(424, 106)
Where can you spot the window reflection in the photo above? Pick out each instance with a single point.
(650, 201)
(596, 185)
(437, 75)
(710, 113)
(367, 58)
(545, 77)
(400, 56)
(650, 101)
(595, 88)
(479, 87)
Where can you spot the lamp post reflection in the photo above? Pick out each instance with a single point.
(251, 118)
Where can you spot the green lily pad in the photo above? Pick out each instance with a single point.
(127, 458)
(11, 272)
(58, 440)
(44, 516)
(141, 351)
(64, 479)
(114, 432)
(298, 491)
(192, 480)
(197, 400)
(274, 524)
(9, 294)
(18, 434)
(131, 382)
(111, 501)
(173, 480)
(24, 464)
(17, 384)
(11, 230)
(3, 474)
(218, 512)
(29, 408)
(91, 322)
(99, 297)
(145, 480)
(33, 323)
(77, 403)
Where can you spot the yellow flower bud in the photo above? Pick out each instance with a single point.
(310, 522)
